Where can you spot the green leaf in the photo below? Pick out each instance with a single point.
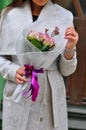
(45, 48)
(36, 43)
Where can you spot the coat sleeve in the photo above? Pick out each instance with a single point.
(8, 69)
(67, 67)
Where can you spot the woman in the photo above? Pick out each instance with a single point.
(49, 112)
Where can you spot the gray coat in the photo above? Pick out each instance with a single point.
(49, 112)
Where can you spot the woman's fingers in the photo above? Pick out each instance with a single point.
(20, 76)
(72, 37)
(71, 32)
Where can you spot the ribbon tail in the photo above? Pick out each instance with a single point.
(35, 94)
(35, 85)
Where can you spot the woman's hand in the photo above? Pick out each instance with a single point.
(20, 76)
(72, 37)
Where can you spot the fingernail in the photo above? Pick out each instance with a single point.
(26, 80)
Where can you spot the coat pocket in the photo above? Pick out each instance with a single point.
(16, 110)
(13, 109)
(9, 122)
(7, 111)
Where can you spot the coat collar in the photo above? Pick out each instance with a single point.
(20, 18)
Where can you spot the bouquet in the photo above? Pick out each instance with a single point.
(36, 51)
(43, 41)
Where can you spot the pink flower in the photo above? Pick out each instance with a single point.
(43, 41)
(40, 36)
(32, 34)
(48, 41)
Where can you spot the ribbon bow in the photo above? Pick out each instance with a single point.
(34, 87)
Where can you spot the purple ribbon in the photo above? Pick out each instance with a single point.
(34, 87)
